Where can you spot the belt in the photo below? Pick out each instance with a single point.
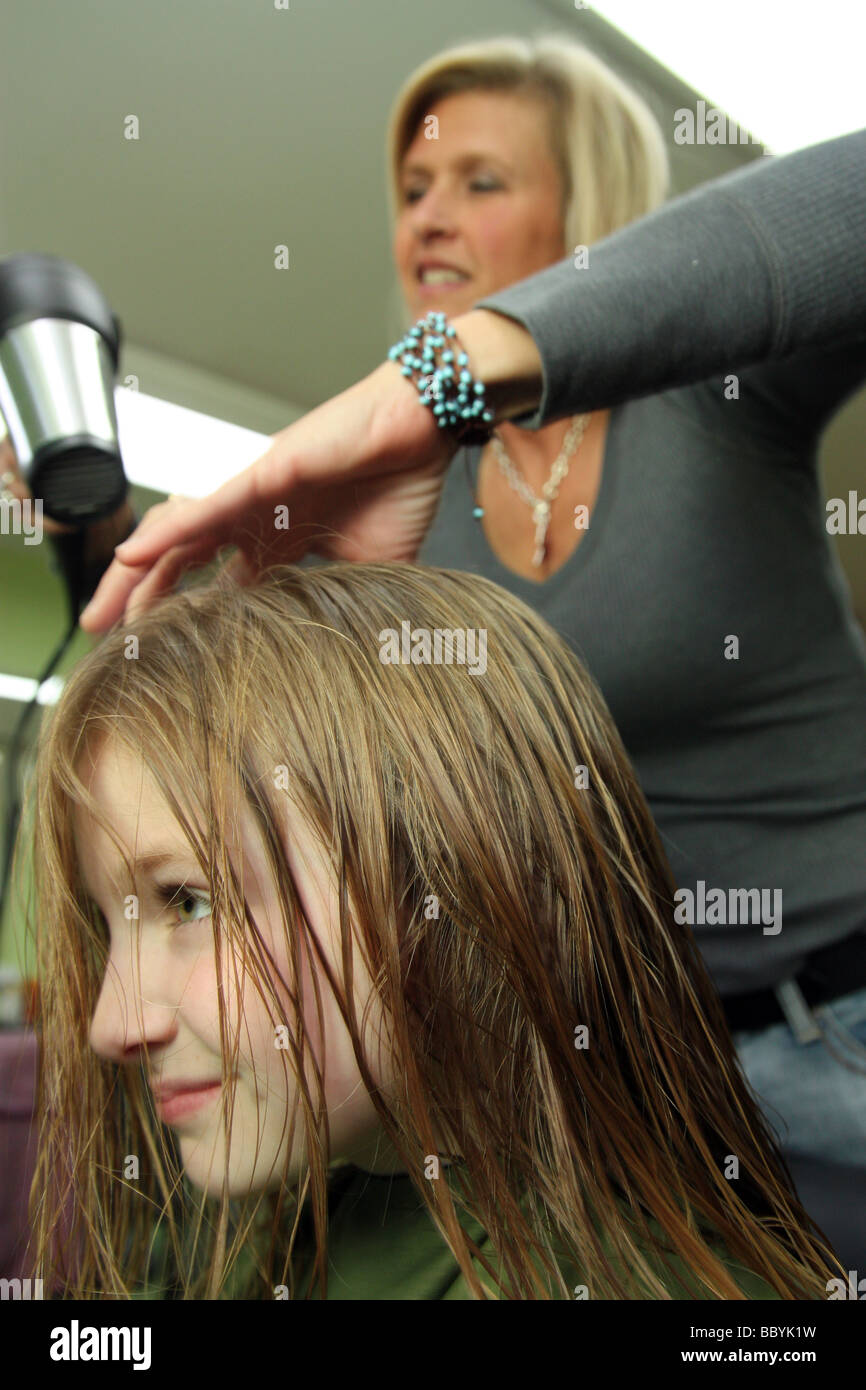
(827, 974)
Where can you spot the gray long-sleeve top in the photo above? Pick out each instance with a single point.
(710, 522)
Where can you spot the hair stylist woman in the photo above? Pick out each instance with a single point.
(704, 598)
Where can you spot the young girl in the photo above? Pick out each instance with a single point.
(431, 1029)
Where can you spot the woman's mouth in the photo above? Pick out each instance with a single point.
(174, 1103)
(431, 280)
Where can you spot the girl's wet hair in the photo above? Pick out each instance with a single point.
(501, 878)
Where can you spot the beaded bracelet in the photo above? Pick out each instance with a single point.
(456, 400)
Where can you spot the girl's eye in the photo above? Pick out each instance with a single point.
(182, 898)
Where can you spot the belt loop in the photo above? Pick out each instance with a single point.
(800, 1017)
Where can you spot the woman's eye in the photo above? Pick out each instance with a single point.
(485, 185)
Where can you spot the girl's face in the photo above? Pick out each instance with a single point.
(160, 989)
(483, 198)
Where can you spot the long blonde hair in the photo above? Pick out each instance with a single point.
(555, 912)
(607, 144)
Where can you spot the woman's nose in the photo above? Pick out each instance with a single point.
(432, 210)
(132, 1009)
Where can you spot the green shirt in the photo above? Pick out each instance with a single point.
(382, 1244)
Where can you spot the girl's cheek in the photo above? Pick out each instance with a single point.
(198, 994)
(200, 1002)
(267, 1024)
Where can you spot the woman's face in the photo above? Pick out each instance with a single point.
(160, 989)
(482, 199)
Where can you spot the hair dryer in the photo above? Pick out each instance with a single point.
(59, 349)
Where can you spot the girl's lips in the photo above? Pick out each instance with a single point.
(174, 1104)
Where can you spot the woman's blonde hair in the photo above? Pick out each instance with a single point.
(505, 797)
(608, 146)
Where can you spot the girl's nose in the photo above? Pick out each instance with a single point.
(132, 1009)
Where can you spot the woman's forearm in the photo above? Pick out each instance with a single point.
(504, 356)
(756, 266)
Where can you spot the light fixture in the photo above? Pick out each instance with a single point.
(791, 75)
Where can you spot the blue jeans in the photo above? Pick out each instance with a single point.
(814, 1093)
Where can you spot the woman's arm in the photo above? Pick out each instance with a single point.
(759, 265)
(506, 358)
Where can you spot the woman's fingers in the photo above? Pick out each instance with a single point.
(123, 575)
(145, 583)
(194, 529)
(181, 519)
(110, 596)
(162, 578)
(358, 477)
(241, 570)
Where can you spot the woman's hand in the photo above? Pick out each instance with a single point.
(100, 537)
(361, 477)
(16, 486)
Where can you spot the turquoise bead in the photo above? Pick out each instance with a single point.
(449, 390)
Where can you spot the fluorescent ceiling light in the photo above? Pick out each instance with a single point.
(23, 688)
(172, 449)
(791, 74)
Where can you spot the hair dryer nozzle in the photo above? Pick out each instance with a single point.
(59, 347)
